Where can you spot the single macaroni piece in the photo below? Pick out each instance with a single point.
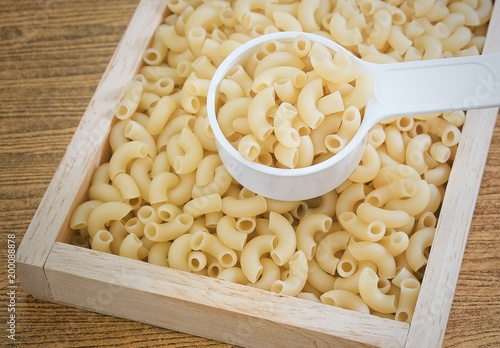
(229, 234)
(103, 213)
(307, 228)
(102, 241)
(297, 276)
(318, 278)
(386, 265)
(419, 241)
(345, 299)
(286, 238)
(252, 253)
(371, 294)
(212, 245)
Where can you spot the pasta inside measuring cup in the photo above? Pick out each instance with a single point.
(292, 103)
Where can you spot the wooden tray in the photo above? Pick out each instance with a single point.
(52, 270)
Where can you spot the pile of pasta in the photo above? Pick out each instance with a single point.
(165, 198)
(292, 103)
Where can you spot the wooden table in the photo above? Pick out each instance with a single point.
(52, 56)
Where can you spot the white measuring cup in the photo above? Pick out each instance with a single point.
(400, 89)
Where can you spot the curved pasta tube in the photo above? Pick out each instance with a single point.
(171, 39)
(349, 197)
(187, 152)
(133, 248)
(369, 232)
(409, 290)
(124, 154)
(362, 92)
(286, 91)
(305, 152)
(259, 106)
(105, 193)
(206, 14)
(202, 205)
(286, 238)
(234, 275)
(249, 147)
(130, 100)
(181, 193)
(276, 59)
(376, 253)
(328, 247)
(395, 172)
(415, 152)
(229, 234)
(306, 103)
(160, 185)
(252, 206)
(220, 183)
(345, 299)
(230, 89)
(470, 14)
(139, 171)
(161, 114)
(135, 226)
(339, 69)
(206, 169)
(270, 76)
(390, 218)
(369, 168)
(213, 246)
(174, 126)
(307, 228)
(126, 185)
(306, 15)
(283, 129)
(270, 273)
(402, 188)
(158, 254)
(103, 213)
(341, 33)
(351, 283)
(177, 254)
(371, 295)
(382, 24)
(318, 278)
(327, 204)
(419, 241)
(286, 156)
(415, 204)
(297, 276)
(252, 253)
(240, 76)
(197, 260)
(102, 241)
(396, 243)
(164, 232)
(280, 207)
(135, 131)
(80, 216)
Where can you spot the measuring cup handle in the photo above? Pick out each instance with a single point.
(439, 85)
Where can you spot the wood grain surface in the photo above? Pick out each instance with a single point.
(52, 56)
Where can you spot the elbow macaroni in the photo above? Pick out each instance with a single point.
(164, 196)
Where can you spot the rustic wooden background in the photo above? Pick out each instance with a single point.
(52, 56)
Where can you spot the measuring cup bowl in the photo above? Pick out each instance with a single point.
(398, 89)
